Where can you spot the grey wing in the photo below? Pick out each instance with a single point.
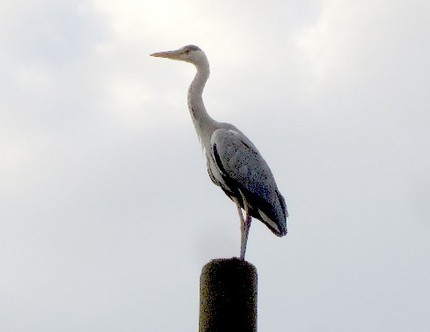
(238, 168)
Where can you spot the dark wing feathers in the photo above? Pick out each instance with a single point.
(243, 174)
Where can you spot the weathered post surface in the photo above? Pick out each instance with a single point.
(228, 296)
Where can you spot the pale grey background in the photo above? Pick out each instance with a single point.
(107, 214)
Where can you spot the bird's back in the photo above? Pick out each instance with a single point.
(235, 164)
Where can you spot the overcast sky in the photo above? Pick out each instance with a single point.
(107, 214)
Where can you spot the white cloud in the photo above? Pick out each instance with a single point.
(103, 190)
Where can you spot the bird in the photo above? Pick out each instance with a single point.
(233, 162)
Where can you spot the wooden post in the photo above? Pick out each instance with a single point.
(228, 296)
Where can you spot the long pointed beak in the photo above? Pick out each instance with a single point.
(166, 54)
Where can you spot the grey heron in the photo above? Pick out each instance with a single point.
(233, 162)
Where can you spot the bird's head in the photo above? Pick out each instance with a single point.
(190, 53)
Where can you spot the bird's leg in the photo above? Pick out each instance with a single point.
(244, 228)
(242, 224)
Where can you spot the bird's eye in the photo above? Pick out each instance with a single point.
(187, 51)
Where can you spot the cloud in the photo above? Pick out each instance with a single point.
(107, 213)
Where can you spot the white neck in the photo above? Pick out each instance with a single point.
(203, 123)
